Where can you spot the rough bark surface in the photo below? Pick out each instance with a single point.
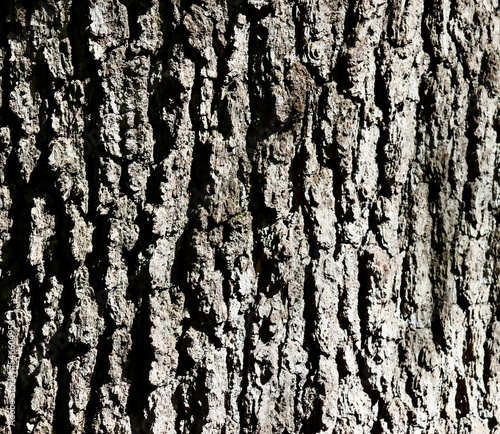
(249, 216)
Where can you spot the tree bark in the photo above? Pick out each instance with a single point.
(249, 216)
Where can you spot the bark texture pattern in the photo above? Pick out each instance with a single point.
(249, 216)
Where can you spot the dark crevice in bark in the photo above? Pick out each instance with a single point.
(351, 20)
(343, 309)
(355, 150)
(340, 74)
(25, 384)
(300, 19)
(250, 10)
(200, 181)
(199, 185)
(166, 95)
(461, 398)
(430, 30)
(310, 314)
(92, 149)
(100, 375)
(298, 168)
(383, 102)
(179, 278)
(168, 29)
(437, 329)
(373, 223)
(438, 292)
(153, 192)
(324, 150)
(167, 91)
(426, 107)
(234, 7)
(84, 65)
(382, 161)
(268, 282)
(124, 181)
(364, 375)
(338, 181)
(198, 402)
(86, 69)
(377, 428)
(223, 53)
(438, 242)
(97, 263)
(342, 368)
(471, 158)
(313, 423)
(427, 98)
(492, 423)
(406, 286)
(438, 276)
(6, 26)
(468, 353)
(410, 391)
(182, 408)
(63, 259)
(462, 299)
(141, 355)
(364, 287)
(394, 11)
(139, 364)
(265, 333)
(247, 416)
(311, 318)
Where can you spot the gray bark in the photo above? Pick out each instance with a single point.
(249, 216)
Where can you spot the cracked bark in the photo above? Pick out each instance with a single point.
(249, 216)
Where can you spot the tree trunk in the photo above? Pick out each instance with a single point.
(252, 216)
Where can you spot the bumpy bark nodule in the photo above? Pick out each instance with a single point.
(249, 216)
